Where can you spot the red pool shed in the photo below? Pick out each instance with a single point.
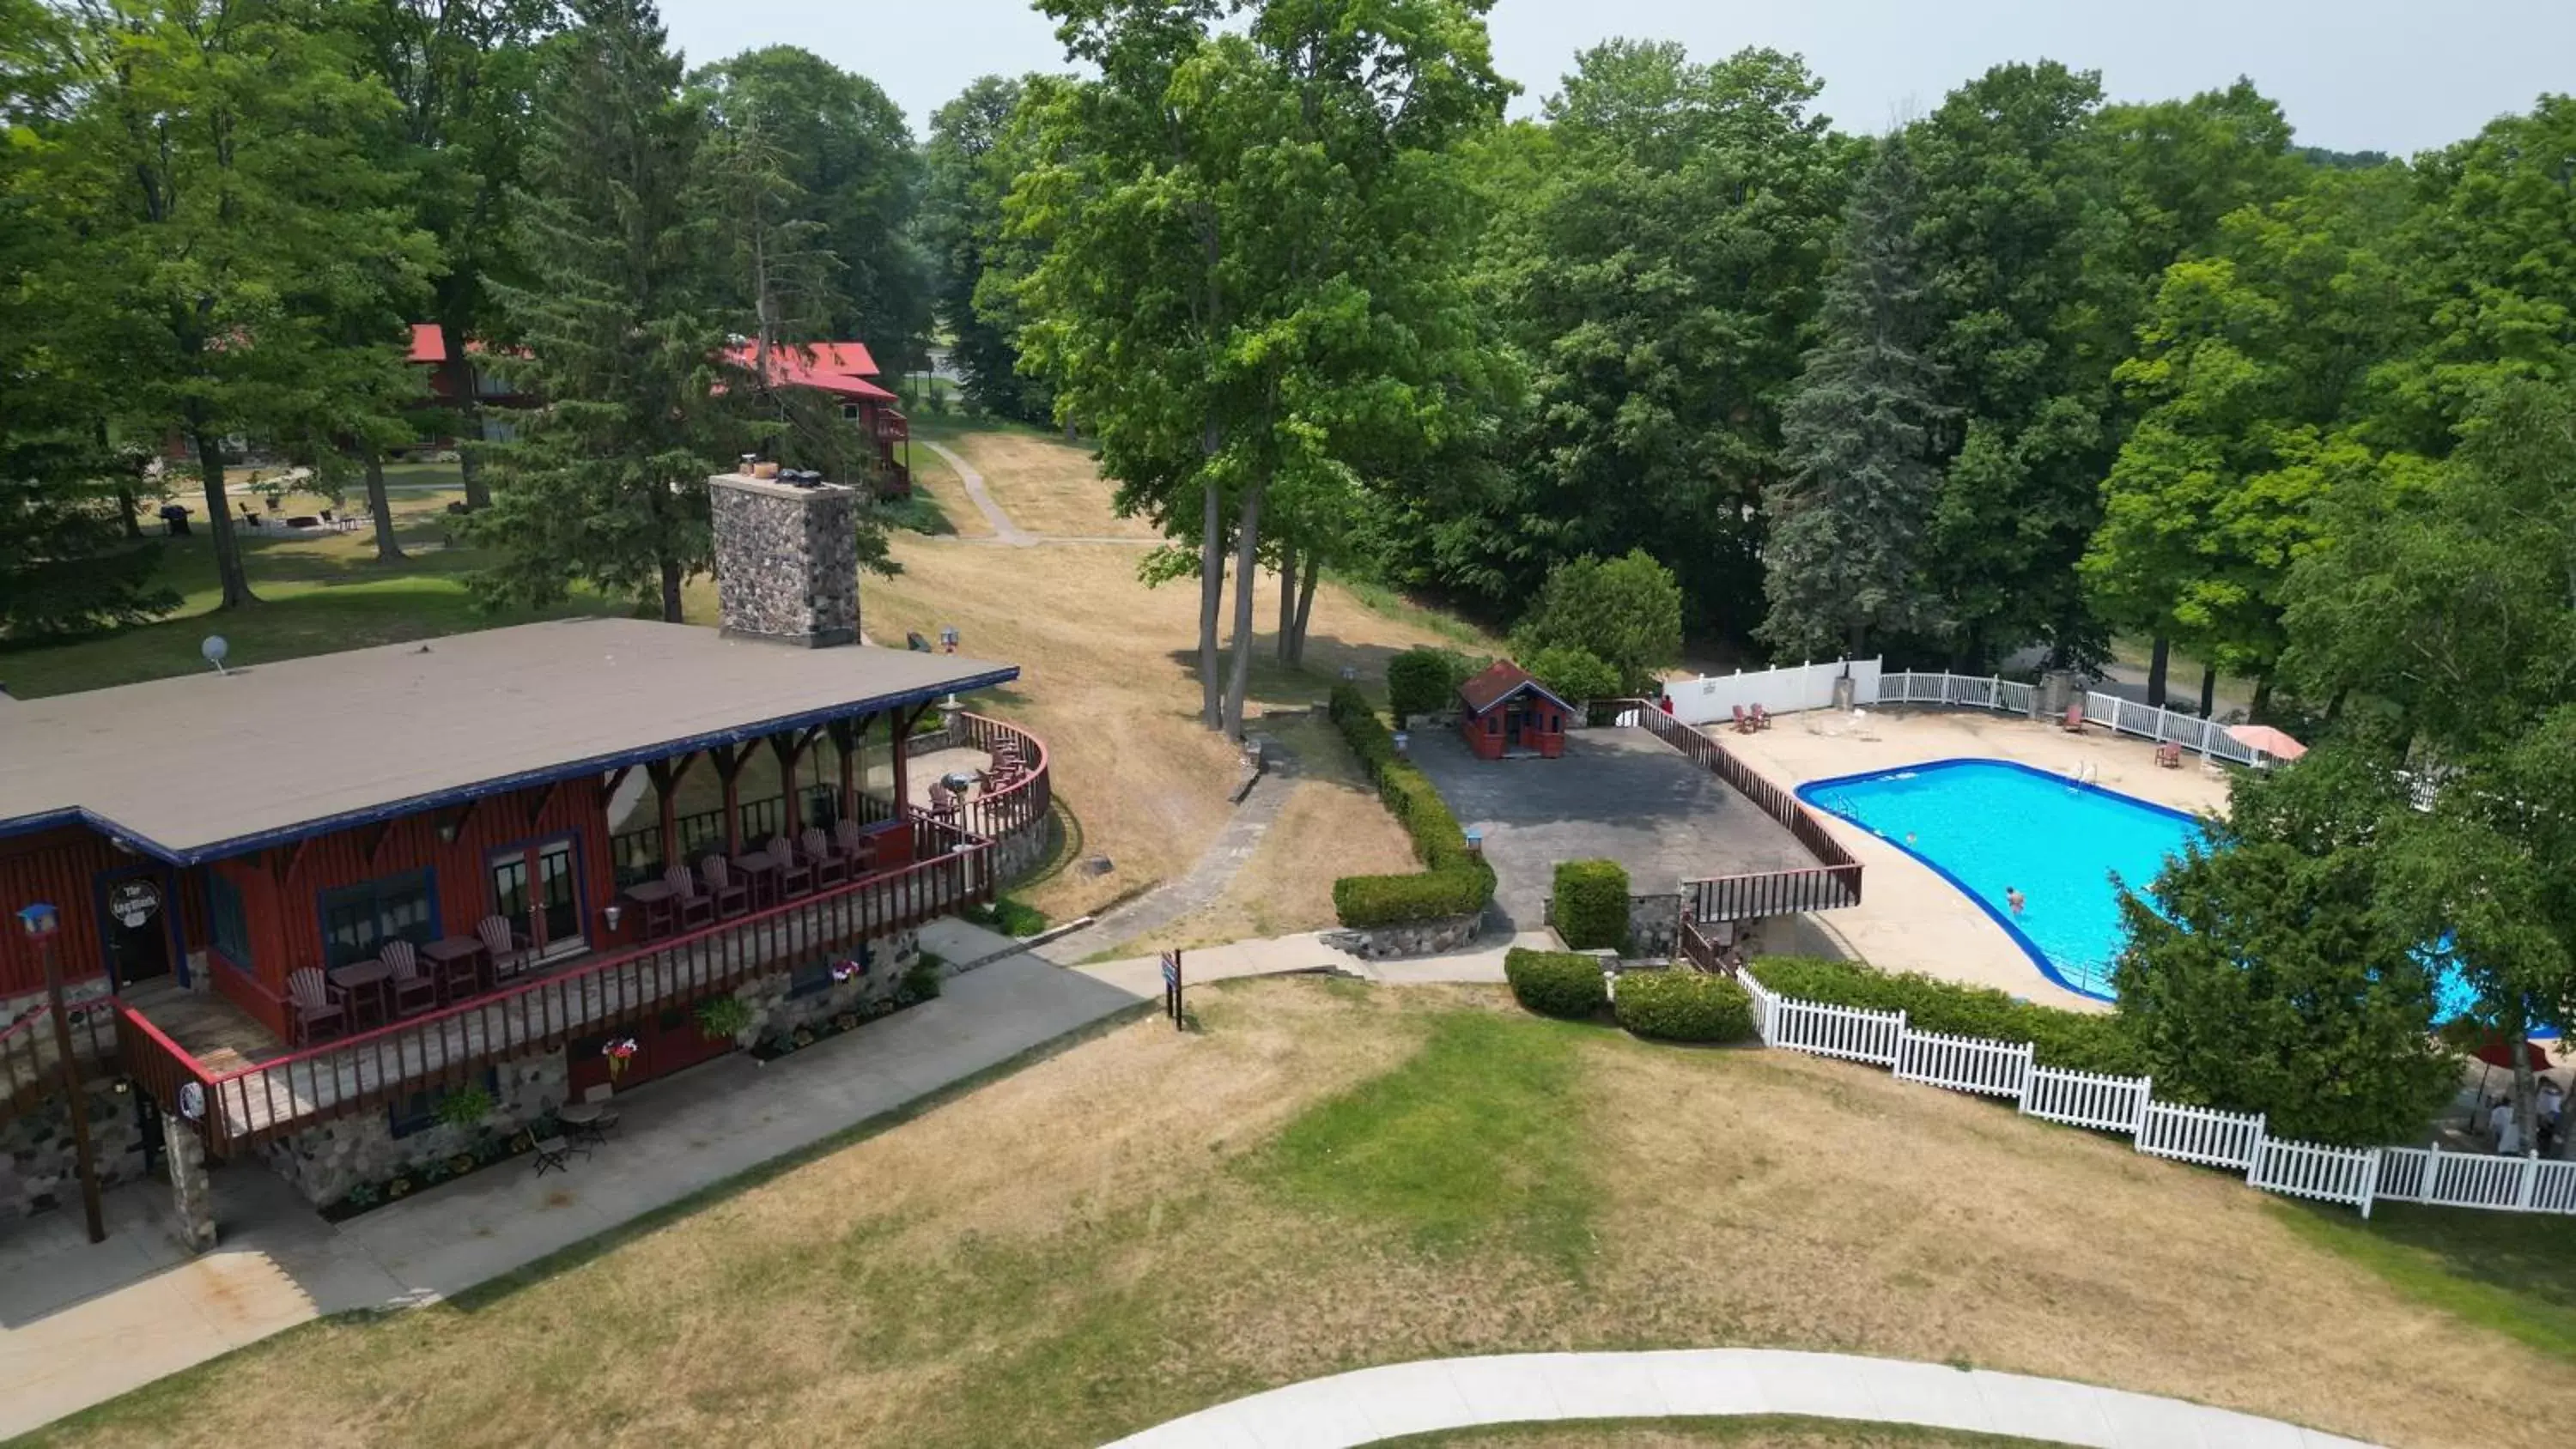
(1504, 711)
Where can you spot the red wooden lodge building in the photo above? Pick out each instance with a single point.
(299, 900)
(1504, 711)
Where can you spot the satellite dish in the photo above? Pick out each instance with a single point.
(215, 649)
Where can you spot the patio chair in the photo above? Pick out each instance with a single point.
(689, 905)
(795, 874)
(606, 1122)
(554, 1154)
(732, 897)
(310, 997)
(943, 801)
(831, 867)
(1761, 719)
(1743, 722)
(2169, 755)
(413, 989)
(509, 947)
(2074, 722)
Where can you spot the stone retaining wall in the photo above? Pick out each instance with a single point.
(324, 1162)
(40, 1169)
(1017, 852)
(1414, 938)
(774, 1013)
(1654, 925)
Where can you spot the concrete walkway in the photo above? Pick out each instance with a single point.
(1199, 886)
(1481, 963)
(1004, 530)
(81, 1324)
(1373, 1404)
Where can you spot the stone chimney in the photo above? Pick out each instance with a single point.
(787, 558)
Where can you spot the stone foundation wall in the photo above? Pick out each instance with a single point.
(39, 1167)
(775, 1013)
(1417, 938)
(1654, 925)
(325, 1162)
(1017, 852)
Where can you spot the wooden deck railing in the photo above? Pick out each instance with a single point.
(1833, 882)
(1024, 801)
(260, 1102)
(162, 1068)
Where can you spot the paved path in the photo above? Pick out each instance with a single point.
(82, 1324)
(1417, 1398)
(1199, 887)
(1004, 530)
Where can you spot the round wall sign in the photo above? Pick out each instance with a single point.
(132, 902)
(192, 1100)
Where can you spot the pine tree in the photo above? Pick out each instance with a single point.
(606, 484)
(1849, 518)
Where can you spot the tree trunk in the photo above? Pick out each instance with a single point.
(2208, 691)
(219, 516)
(2159, 664)
(1211, 589)
(2262, 704)
(1247, 553)
(1287, 642)
(1306, 602)
(379, 505)
(670, 589)
(130, 508)
(458, 370)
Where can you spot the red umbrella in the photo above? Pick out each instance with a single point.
(2498, 1052)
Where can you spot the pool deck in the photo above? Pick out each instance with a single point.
(1910, 919)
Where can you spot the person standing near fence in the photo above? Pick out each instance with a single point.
(2507, 1132)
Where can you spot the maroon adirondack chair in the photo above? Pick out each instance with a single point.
(689, 905)
(413, 988)
(856, 848)
(314, 1005)
(795, 874)
(732, 897)
(509, 948)
(831, 867)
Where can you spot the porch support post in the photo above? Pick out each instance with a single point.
(190, 1189)
(899, 723)
(729, 770)
(664, 779)
(844, 743)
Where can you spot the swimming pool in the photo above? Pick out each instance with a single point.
(1991, 826)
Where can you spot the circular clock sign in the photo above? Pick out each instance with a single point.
(132, 902)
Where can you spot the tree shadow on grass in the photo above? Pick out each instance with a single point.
(2513, 1272)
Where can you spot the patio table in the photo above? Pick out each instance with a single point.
(653, 899)
(759, 877)
(461, 961)
(364, 981)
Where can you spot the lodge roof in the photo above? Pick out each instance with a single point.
(206, 765)
(1500, 681)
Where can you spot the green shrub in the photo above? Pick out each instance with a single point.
(1424, 678)
(1591, 903)
(1009, 916)
(1573, 673)
(723, 1017)
(923, 981)
(1555, 983)
(1453, 881)
(1683, 1006)
(2081, 1041)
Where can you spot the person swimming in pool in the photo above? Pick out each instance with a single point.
(2013, 898)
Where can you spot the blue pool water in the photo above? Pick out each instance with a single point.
(1990, 826)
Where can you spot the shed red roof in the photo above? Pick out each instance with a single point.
(428, 343)
(1499, 682)
(833, 367)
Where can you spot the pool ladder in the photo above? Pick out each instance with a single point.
(2082, 773)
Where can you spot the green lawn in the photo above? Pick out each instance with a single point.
(2512, 1272)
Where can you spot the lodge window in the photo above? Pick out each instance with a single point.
(555, 897)
(418, 1111)
(357, 920)
(849, 412)
(1493, 724)
(227, 924)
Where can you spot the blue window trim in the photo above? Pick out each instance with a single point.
(322, 902)
(241, 961)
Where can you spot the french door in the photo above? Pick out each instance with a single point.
(538, 888)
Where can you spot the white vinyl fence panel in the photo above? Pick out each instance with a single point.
(1779, 691)
(2327, 1174)
(1964, 1063)
(2198, 1134)
(2553, 1187)
(2088, 1099)
(1837, 1031)
(2164, 726)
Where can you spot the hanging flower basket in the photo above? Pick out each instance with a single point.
(619, 1051)
(844, 972)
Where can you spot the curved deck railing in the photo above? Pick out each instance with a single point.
(1023, 802)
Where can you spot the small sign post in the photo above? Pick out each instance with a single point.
(1172, 987)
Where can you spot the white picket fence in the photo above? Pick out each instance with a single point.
(2164, 726)
(1778, 691)
(2235, 1141)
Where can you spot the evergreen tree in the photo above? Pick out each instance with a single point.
(606, 485)
(1848, 519)
(974, 151)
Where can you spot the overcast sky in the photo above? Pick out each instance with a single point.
(2386, 75)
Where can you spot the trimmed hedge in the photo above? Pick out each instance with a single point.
(1592, 903)
(1423, 679)
(2082, 1041)
(1555, 983)
(1453, 880)
(1683, 1006)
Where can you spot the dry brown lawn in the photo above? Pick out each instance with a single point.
(1331, 825)
(1108, 671)
(932, 476)
(1106, 1239)
(1046, 485)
